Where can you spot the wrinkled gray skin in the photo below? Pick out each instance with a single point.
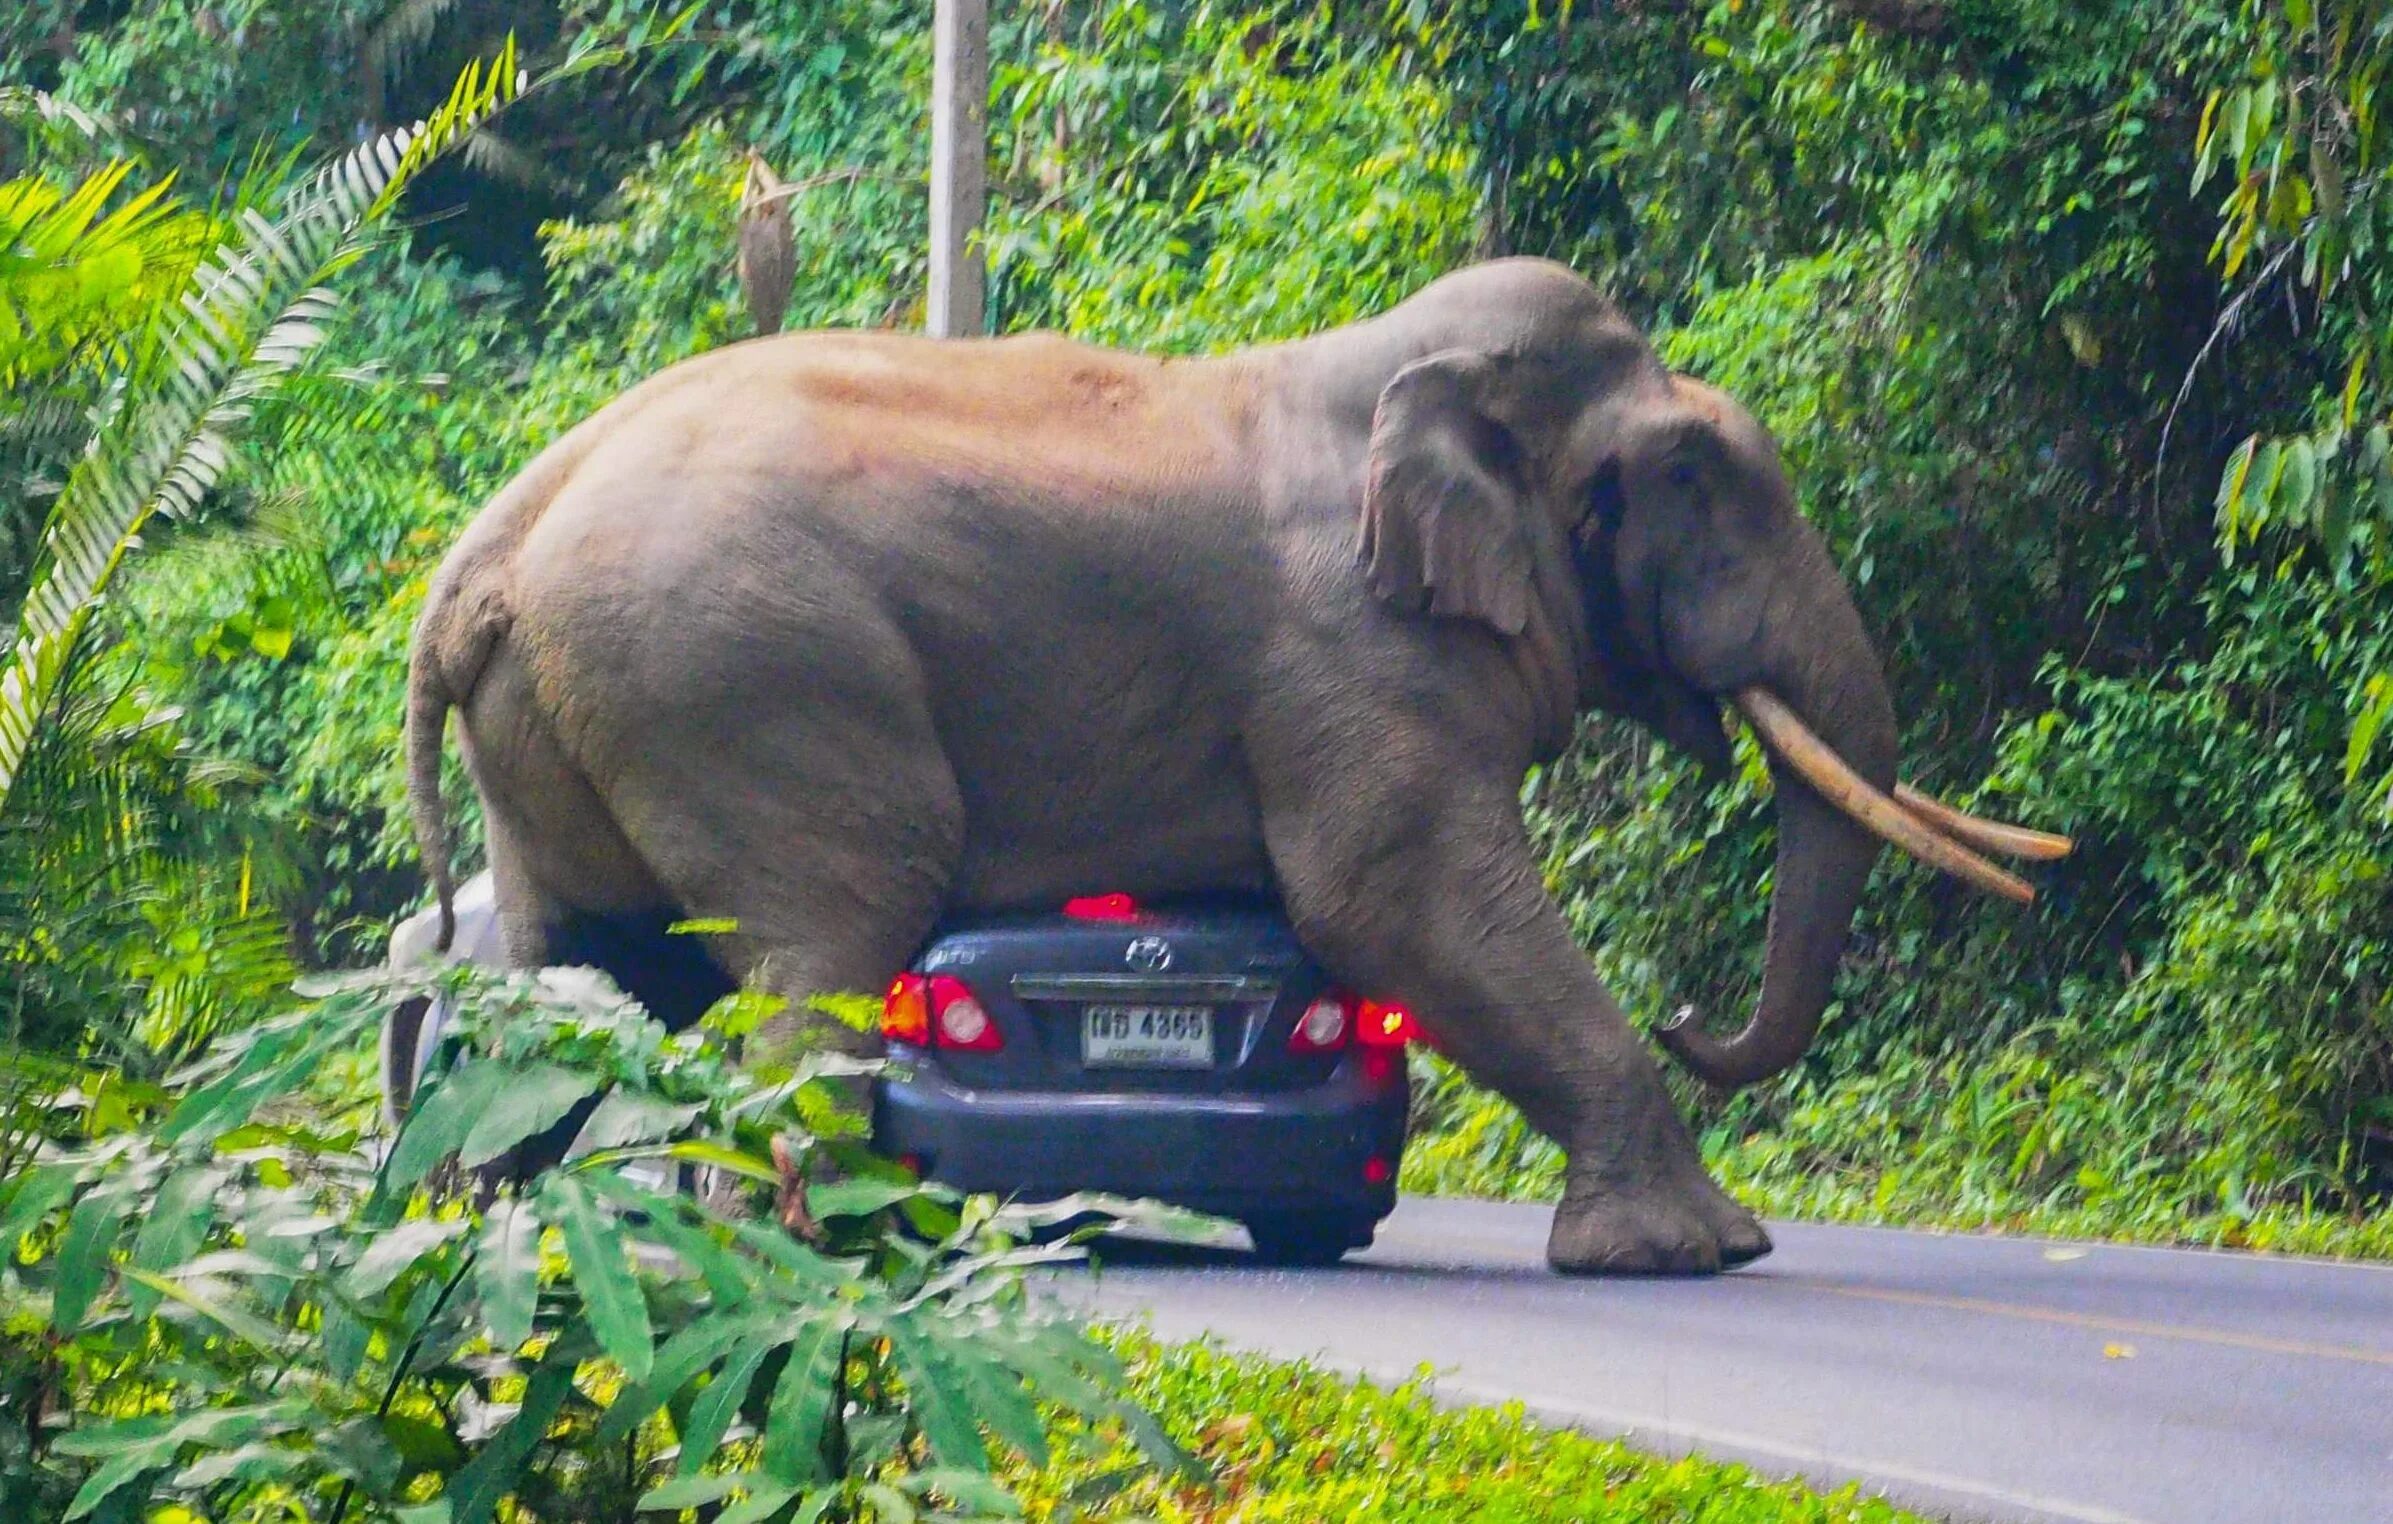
(825, 634)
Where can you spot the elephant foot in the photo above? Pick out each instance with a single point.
(1668, 1228)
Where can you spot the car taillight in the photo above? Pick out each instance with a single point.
(960, 1019)
(916, 1009)
(906, 1010)
(1385, 1024)
(1102, 907)
(1325, 1024)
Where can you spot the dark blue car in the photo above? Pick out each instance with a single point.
(1189, 1052)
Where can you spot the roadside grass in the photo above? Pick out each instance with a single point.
(1290, 1444)
(1909, 1147)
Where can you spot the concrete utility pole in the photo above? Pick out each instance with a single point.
(959, 166)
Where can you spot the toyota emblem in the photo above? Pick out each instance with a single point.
(1149, 955)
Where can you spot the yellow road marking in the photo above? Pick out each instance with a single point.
(2259, 1343)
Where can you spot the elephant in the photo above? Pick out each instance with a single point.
(824, 636)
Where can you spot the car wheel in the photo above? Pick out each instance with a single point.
(1312, 1239)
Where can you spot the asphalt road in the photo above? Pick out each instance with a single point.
(1970, 1378)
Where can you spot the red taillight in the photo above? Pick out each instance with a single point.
(906, 1010)
(960, 1019)
(915, 1008)
(1325, 1024)
(1385, 1024)
(1102, 907)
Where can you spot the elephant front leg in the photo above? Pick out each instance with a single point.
(1443, 909)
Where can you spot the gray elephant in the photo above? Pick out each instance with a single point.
(827, 635)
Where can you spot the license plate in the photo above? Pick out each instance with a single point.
(1147, 1036)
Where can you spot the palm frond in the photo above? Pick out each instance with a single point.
(250, 316)
(70, 263)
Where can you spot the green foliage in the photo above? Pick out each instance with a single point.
(240, 1313)
(252, 316)
(1293, 1445)
(133, 364)
(1261, 178)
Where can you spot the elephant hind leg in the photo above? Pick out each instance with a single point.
(820, 900)
(827, 833)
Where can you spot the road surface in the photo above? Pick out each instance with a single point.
(1971, 1378)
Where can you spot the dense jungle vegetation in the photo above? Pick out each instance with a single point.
(2071, 316)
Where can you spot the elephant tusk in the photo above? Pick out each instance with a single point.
(1846, 789)
(1984, 835)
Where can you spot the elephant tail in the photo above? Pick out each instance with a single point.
(453, 641)
(428, 703)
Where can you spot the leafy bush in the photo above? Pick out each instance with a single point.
(235, 1309)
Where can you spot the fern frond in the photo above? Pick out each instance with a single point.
(248, 317)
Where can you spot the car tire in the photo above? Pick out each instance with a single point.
(1309, 1239)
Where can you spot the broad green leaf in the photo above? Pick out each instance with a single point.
(443, 1117)
(793, 1432)
(679, 1360)
(711, 1413)
(533, 1099)
(118, 1470)
(998, 1398)
(226, 1102)
(395, 1251)
(858, 1198)
(627, 1117)
(474, 1492)
(91, 1234)
(345, 1342)
(221, 1310)
(2376, 706)
(697, 1151)
(507, 1272)
(38, 1193)
(610, 1293)
(2297, 482)
(787, 1254)
(1052, 1373)
(179, 1216)
(942, 1408)
(251, 1462)
(724, 1273)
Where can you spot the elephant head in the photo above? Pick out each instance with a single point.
(1636, 530)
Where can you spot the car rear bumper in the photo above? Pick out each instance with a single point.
(1235, 1155)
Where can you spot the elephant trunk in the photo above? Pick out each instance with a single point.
(1830, 679)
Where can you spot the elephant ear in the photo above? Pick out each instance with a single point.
(1446, 505)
